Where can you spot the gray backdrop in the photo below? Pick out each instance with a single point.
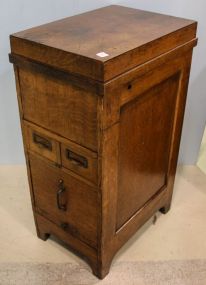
(22, 14)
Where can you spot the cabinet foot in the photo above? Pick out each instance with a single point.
(102, 268)
(100, 272)
(42, 235)
(166, 208)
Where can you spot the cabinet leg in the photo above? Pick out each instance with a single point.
(41, 229)
(42, 235)
(101, 272)
(102, 268)
(166, 208)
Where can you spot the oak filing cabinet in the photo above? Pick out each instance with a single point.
(101, 98)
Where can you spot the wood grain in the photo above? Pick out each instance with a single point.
(143, 157)
(108, 129)
(77, 246)
(59, 107)
(88, 171)
(50, 149)
(129, 36)
(80, 200)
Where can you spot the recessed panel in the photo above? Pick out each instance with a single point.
(145, 137)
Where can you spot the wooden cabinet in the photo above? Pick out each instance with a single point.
(101, 98)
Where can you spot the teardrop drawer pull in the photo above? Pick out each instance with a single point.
(61, 190)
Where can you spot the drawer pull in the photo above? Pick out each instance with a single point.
(69, 228)
(42, 142)
(76, 158)
(64, 226)
(61, 190)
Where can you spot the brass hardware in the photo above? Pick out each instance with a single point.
(42, 142)
(76, 158)
(129, 86)
(64, 226)
(69, 228)
(61, 190)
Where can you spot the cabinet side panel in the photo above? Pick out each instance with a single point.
(24, 137)
(144, 146)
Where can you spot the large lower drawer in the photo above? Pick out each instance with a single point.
(64, 200)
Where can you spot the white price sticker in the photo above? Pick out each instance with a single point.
(102, 54)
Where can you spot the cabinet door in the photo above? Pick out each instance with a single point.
(145, 129)
(64, 200)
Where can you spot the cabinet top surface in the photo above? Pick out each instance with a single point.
(113, 30)
(104, 34)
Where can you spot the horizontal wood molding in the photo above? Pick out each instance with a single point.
(55, 72)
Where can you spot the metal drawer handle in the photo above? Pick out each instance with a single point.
(69, 228)
(42, 142)
(61, 190)
(76, 158)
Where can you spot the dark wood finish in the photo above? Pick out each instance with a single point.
(102, 135)
(60, 144)
(113, 239)
(149, 118)
(77, 80)
(80, 160)
(130, 37)
(47, 228)
(80, 200)
(43, 145)
(71, 113)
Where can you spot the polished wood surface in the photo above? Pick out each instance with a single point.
(101, 135)
(112, 236)
(129, 37)
(80, 160)
(79, 199)
(47, 228)
(143, 156)
(63, 152)
(43, 145)
(59, 107)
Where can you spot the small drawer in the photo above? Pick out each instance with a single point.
(43, 145)
(80, 160)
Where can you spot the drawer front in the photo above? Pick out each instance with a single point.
(59, 107)
(69, 203)
(43, 144)
(80, 160)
